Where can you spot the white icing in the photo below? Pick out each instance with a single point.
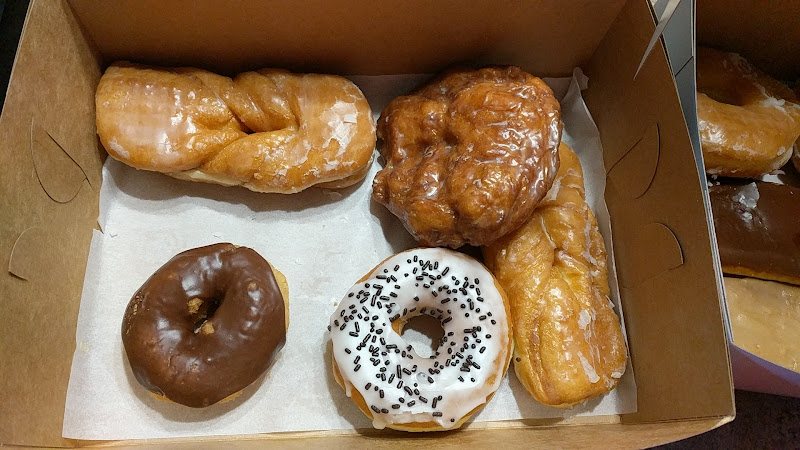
(120, 150)
(341, 120)
(584, 319)
(456, 376)
(747, 197)
(772, 102)
(552, 193)
(588, 369)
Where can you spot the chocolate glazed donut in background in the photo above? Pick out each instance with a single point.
(758, 230)
(468, 156)
(206, 324)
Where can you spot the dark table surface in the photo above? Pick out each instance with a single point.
(12, 16)
(762, 421)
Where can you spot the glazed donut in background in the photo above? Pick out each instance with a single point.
(206, 324)
(568, 342)
(748, 121)
(469, 155)
(386, 378)
(269, 130)
(758, 230)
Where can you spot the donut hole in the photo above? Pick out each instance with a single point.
(200, 311)
(423, 333)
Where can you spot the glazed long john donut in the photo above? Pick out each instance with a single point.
(383, 374)
(569, 344)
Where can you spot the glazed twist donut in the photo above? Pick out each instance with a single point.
(568, 342)
(748, 121)
(269, 131)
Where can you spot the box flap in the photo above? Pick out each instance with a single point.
(349, 37)
(672, 306)
(50, 167)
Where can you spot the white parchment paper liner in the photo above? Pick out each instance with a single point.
(322, 240)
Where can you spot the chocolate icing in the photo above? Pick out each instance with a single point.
(758, 229)
(197, 352)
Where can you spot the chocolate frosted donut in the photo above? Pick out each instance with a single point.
(758, 230)
(469, 156)
(206, 324)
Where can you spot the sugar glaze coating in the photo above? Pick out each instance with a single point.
(469, 155)
(268, 130)
(568, 341)
(748, 122)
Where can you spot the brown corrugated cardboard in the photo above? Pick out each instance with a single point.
(351, 37)
(768, 35)
(672, 309)
(53, 81)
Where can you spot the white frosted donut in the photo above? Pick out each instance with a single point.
(382, 373)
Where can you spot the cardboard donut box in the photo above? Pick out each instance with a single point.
(51, 160)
